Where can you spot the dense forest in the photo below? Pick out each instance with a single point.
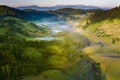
(27, 14)
(105, 14)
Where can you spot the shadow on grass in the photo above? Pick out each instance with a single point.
(96, 72)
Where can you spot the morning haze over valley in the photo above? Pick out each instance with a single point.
(60, 40)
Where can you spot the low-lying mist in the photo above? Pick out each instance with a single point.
(56, 26)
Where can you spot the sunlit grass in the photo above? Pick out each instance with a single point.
(101, 49)
(110, 66)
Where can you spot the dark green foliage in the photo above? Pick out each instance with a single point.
(105, 14)
(25, 14)
(20, 58)
(8, 11)
(70, 11)
(12, 62)
(12, 26)
(20, 28)
(37, 15)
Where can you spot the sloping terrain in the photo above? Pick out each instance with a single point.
(106, 14)
(19, 28)
(8, 11)
(102, 29)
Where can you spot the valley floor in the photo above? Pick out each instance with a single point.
(80, 67)
(102, 52)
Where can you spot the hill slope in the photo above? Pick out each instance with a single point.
(31, 14)
(103, 23)
(106, 14)
(15, 23)
(8, 11)
(103, 30)
(20, 28)
(28, 14)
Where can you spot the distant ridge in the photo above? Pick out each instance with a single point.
(59, 7)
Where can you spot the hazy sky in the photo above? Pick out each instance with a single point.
(101, 3)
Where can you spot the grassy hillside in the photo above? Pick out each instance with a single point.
(103, 23)
(103, 30)
(12, 26)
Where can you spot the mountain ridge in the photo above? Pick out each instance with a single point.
(60, 7)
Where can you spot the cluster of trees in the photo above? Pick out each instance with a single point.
(19, 58)
(37, 15)
(105, 14)
(11, 25)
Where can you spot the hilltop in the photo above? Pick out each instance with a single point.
(9, 11)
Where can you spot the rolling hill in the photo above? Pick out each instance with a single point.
(106, 14)
(104, 23)
(28, 14)
(14, 22)
(8, 11)
(31, 14)
(19, 28)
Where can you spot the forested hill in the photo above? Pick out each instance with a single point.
(30, 14)
(13, 22)
(106, 14)
(24, 14)
(8, 11)
(71, 11)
